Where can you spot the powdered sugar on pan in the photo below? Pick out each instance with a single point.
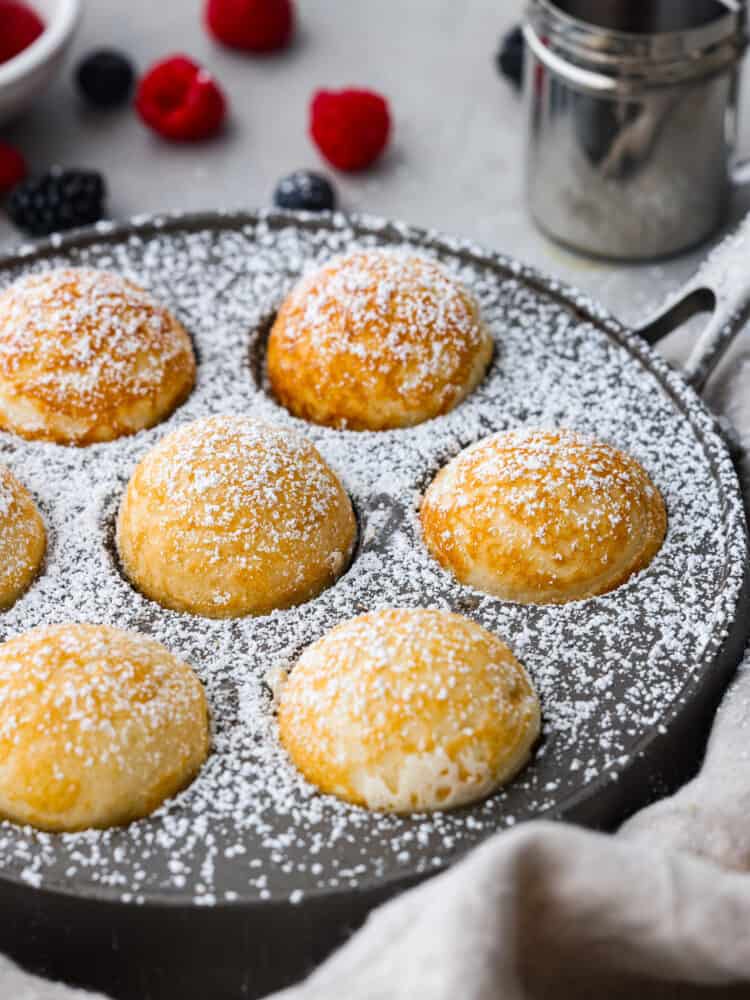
(609, 670)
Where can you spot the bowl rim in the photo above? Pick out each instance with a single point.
(57, 32)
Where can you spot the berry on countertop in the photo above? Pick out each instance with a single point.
(105, 78)
(12, 167)
(251, 25)
(306, 191)
(510, 56)
(180, 100)
(19, 27)
(350, 127)
(59, 200)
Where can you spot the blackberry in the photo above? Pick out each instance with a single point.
(510, 56)
(60, 199)
(305, 190)
(105, 78)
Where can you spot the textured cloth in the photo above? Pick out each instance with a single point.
(660, 910)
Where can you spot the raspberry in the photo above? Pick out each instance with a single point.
(12, 167)
(350, 127)
(180, 100)
(251, 25)
(61, 199)
(19, 27)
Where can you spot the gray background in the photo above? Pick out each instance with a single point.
(455, 162)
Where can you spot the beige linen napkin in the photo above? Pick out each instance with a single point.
(661, 910)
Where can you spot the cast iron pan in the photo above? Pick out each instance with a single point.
(247, 879)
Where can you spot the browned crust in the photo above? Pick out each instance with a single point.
(570, 543)
(359, 366)
(87, 356)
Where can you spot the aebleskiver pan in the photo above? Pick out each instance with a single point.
(246, 879)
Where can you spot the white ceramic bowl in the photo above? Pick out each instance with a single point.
(26, 76)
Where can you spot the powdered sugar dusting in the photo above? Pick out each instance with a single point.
(607, 669)
(6, 493)
(529, 469)
(229, 493)
(408, 710)
(422, 322)
(72, 681)
(22, 536)
(219, 499)
(563, 515)
(78, 338)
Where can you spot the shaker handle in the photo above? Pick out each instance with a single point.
(740, 172)
(739, 169)
(721, 286)
(585, 78)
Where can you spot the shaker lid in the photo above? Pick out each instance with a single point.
(616, 45)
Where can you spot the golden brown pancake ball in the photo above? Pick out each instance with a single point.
(377, 339)
(97, 726)
(543, 517)
(23, 540)
(228, 516)
(88, 356)
(408, 710)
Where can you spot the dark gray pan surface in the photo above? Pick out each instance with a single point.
(626, 680)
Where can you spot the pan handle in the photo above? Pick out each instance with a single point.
(721, 286)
